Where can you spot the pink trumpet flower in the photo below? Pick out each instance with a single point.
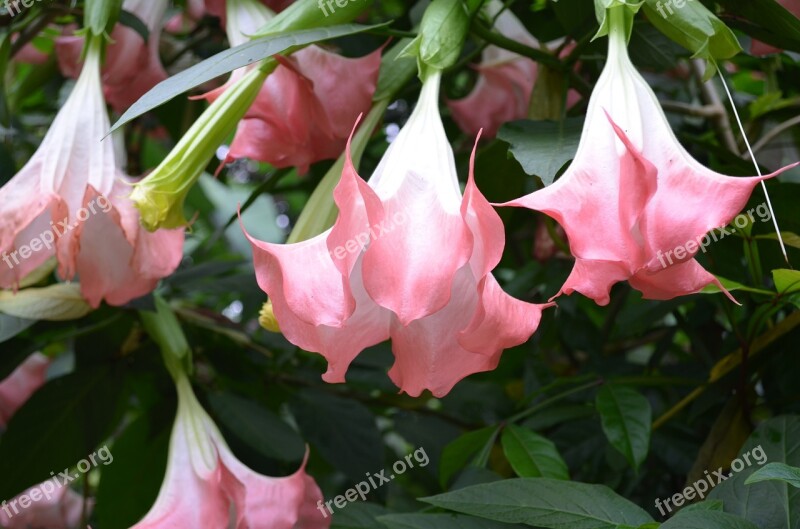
(304, 109)
(59, 509)
(409, 258)
(206, 486)
(635, 205)
(505, 82)
(132, 66)
(69, 202)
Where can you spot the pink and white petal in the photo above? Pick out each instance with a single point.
(343, 85)
(500, 321)
(594, 278)
(680, 279)
(427, 352)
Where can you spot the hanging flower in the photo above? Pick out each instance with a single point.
(17, 388)
(132, 66)
(206, 486)
(69, 202)
(409, 258)
(505, 82)
(59, 508)
(635, 205)
(304, 110)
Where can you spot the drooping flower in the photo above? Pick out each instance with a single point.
(69, 201)
(505, 82)
(409, 258)
(206, 486)
(635, 205)
(759, 48)
(132, 66)
(17, 388)
(305, 108)
(58, 509)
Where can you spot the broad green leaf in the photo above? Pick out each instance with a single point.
(542, 147)
(531, 455)
(359, 515)
(694, 27)
(705, 519)
(731, 286)
(232, 59)
(707, 505)
(342, 431)
(440, 521)
(786, 281)
(766, 20)
(768, 504)
(778, 472)
(257, 427)
(458, 453)
(63, 423)
(627, 417)
(140, 460)
(58, 302)
(545, 503)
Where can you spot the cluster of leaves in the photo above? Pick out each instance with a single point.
(604, 411)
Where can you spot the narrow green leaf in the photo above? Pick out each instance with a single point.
(627, 417)
(531, 455)
(439, 521)
(694, 27)
(458, 453)
(544, 503)
(776, 472)
(232, 59)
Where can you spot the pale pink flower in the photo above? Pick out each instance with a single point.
(409, 258)
(132, 66)
(206, 486)
(304, 112)
(70, 202)
(17, 388)
(633, 196)
(60, 509)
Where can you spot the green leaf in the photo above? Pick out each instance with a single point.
(731, 286)
(707, 505)
(232, 59)
(768, 504)
(257, 427)
(705, 519)
(626, 416)
(342, 431)
(458, 453)
(140, 461)
(789, 238)
(543, 147)
(545, 503)
(59, 426)
(786, 281)
(359, 515)
(531, 455)
(440, 521)
(126, 18)
(778, 472)
(766, 20)
(694, 27)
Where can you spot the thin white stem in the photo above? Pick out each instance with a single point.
(755, 163)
